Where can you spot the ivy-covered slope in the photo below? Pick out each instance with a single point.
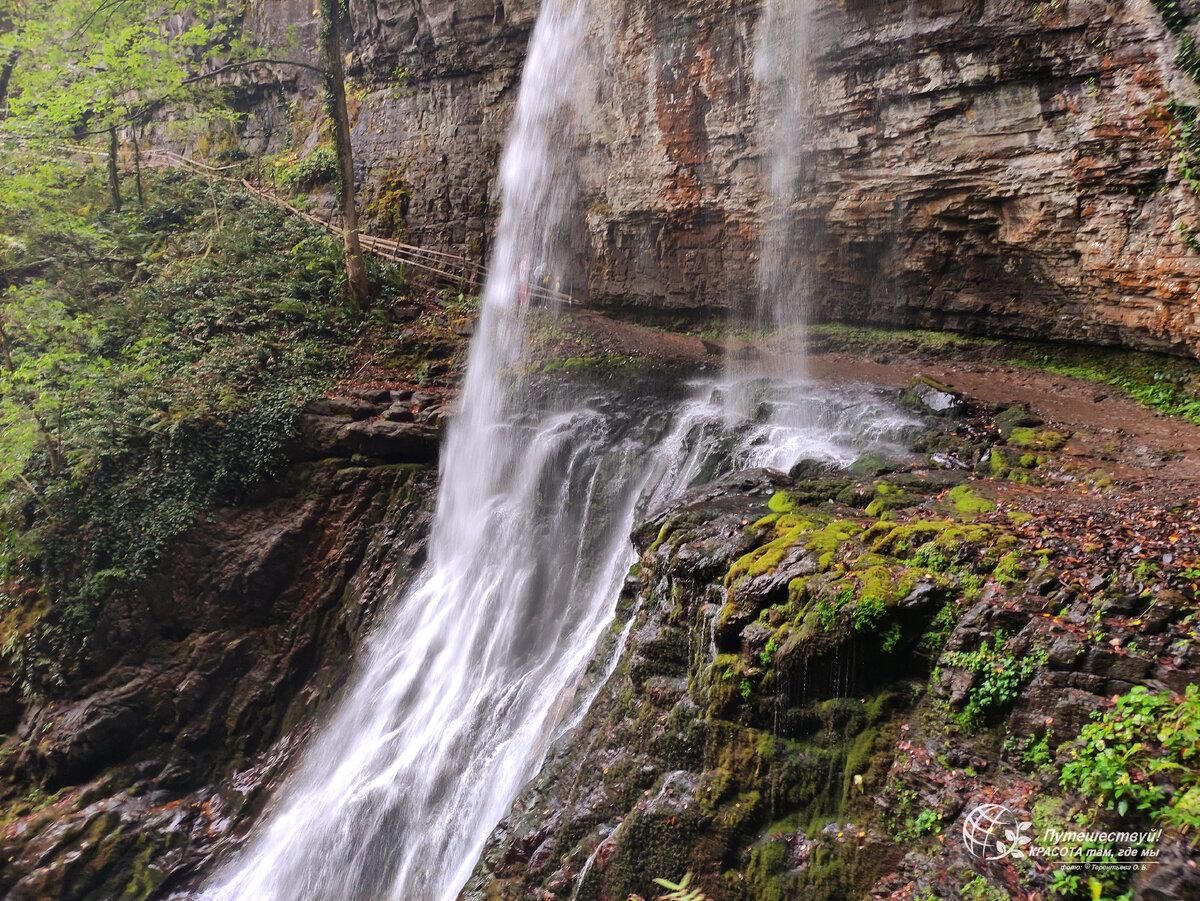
(192, 536)
(154, 365)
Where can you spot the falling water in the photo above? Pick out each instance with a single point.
(461, 685)
(473, 672)
(778, 312)
(781, 69)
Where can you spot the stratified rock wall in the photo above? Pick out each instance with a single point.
(991, 166)
(197, 690)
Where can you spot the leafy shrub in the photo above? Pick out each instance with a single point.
(1143, 755)
(1000, 677)
(318, 168)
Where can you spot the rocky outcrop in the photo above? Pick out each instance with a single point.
(196, 690)
(995, 167)
(821, 678)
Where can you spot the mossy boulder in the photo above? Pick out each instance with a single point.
(968, 503)
(931, 396)
(1014, 417)
(1034, 439)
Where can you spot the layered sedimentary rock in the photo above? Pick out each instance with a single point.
(997, 167)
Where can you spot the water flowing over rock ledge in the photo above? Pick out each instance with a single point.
(826, 672)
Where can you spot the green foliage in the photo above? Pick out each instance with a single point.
(931, 555)
(318, 168)
(868, 612)
(891, 638)
(1073, 884)
(999, 677)
(830, 608)
(152, 366)
(1009, 569)
(767, 654)
(1185, 135)
(459, 305)
(1143, 755)
(679, 891)
(787, 531)
(925, 823)
(978, 889)
(87, 71)
(1037, 754)
(1187, 57)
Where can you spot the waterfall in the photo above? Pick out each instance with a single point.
(454, 700)
(781, 69)
(469, 676)
(778, 313)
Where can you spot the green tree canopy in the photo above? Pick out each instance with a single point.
(81, 72)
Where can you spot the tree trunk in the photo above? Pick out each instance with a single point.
(5, 354)
(114, 177)
(6, 72)
(137, 168)
(334, 76)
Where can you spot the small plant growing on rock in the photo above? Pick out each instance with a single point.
(1143, 754)
(676, 891)
(767, 654)
(924, 823)
(1001, 677)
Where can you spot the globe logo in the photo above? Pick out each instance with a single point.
(993, 832)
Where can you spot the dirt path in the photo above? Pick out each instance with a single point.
(1107, 427)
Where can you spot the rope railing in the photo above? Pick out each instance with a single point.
(459, 271)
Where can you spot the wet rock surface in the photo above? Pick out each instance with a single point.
(996, 167)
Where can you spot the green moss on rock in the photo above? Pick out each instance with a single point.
(968, 503)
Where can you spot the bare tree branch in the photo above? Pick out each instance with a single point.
(245, 64)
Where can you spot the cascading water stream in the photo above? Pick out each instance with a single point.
(778, 315)
(781, 69)
(458, 689)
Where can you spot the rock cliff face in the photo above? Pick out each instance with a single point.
(124, 778)
(990, 166)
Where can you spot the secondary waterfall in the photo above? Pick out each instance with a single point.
(469, 676)
(781, 69)
(777, 317)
